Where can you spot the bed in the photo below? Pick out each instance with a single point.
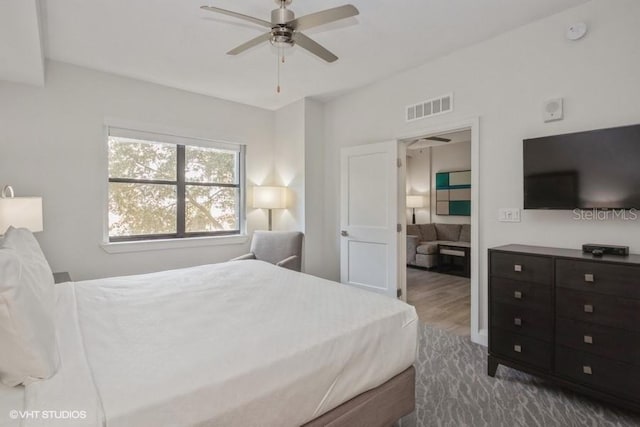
(242, 343)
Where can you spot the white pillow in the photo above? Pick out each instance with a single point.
(29, 350)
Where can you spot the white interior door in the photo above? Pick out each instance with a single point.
(369, 217)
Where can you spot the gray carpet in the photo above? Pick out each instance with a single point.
(453, 389)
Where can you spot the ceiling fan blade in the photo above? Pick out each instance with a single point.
(237, 15)
(251, 43)
(313, 47)
(323, 17)
(438, 138)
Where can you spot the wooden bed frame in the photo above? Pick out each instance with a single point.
(379, 407)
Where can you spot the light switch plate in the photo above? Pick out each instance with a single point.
(509, 215)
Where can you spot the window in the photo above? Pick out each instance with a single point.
(163, 186)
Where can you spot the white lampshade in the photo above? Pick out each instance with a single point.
(270, 197)
(415, 201)
(20, 212)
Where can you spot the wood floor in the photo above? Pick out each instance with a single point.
(441, 300)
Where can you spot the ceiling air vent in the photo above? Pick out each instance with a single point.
(432, 107)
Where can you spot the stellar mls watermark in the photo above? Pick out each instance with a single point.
(605, 215)
(15, 414)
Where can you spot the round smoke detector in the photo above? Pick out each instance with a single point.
(577, 31)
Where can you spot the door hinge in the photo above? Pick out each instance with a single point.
(399, 162)
(399, 228)
(399, 293)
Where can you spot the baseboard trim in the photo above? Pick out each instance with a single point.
(480, 337)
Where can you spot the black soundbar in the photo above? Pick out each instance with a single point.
(599, 250)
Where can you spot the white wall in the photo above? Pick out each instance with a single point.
(52, 145)
(419, 183)
(289, 165)
(505, 81)
(298, 161)
(446, 158)
(422, 165)
(315, 238)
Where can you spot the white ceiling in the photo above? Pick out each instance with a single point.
(174, 43)
(21, 56)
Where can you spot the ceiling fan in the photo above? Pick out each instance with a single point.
(285, 29)
(430, 141)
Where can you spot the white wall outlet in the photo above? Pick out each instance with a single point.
(509, 215)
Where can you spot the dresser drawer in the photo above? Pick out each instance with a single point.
(520, 293)
(520, 348)
(529, 321)
(601, 309)
(599, 277)
(603, 374)
(527, 268)
(600, 340)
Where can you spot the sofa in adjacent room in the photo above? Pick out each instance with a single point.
(424, 240)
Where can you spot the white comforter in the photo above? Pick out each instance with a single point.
(236, 344)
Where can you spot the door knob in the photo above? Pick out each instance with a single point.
(344, 233)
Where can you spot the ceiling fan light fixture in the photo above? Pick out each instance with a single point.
(282, 37)
(281, 44)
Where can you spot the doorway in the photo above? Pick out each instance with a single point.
(442, 217)
(373, 220)
(438, 187)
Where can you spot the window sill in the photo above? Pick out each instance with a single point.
(166, 244)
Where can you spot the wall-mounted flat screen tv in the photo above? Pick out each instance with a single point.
(598, 169)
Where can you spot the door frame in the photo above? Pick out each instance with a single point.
(477, 335)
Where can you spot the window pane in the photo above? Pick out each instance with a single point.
(138, 209)
(133, 158)
(210, 165)
(211, 209)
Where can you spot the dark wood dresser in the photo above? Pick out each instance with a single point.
(568, 317)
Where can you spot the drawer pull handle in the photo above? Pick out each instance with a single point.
(517, 321)
(517, 268)
(588, 308)
(588, 339)
(587, 370)
(517, 348)
(589, 278)
(517, 295)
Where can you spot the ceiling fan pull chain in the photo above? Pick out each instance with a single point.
(278, 65)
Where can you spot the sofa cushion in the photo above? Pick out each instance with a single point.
(428, 232)
(465, 233)
(427, 248)
(426, 261)
(449, 232)
(414, 230)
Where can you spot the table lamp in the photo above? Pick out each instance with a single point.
(414, 202)
(20, 212)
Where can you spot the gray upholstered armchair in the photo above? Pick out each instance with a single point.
(282, 248)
